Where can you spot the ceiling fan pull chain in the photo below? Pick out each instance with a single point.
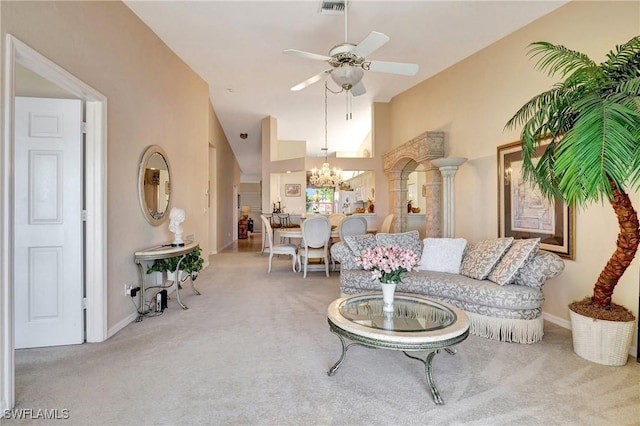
(348, 105)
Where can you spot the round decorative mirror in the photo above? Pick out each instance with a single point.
(154, 185)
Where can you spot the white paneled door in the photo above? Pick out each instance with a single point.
(48, 236)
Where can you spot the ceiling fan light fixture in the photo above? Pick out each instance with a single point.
(347, 76)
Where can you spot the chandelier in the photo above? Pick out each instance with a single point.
(325, 177)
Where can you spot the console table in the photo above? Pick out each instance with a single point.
(163, 251)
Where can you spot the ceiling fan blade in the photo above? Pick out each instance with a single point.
(306, 55)
(310, 81)
(370, 43)
(393, 67)
(358, 89)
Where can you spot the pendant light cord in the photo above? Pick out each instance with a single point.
(326, 148)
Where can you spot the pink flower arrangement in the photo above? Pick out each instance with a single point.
(388, 264)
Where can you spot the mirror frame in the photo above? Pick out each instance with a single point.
(148, 153)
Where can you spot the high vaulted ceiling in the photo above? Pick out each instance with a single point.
(236, 46)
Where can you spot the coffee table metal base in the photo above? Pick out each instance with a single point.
(432, 348)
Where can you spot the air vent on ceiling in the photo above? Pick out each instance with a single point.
(332, 7)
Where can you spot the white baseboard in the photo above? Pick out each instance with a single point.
(567, 324)
(122, 324)
(557, 320)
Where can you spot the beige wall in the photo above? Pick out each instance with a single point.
(472, 101)
(153, 99)
(227, 175)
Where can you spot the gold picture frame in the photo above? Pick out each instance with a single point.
(292, 190)
(524, 213)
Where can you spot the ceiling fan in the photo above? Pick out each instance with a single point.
(348, 62)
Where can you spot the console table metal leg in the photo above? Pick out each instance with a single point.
(177, 283)
(193, 287)
(428, 373)
(140, 307)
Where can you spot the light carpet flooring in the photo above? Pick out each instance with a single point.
(254, 349)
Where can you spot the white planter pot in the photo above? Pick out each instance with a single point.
(600, 341)
(172, 276)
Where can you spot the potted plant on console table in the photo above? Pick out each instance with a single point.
(591, 122)
(191, 265)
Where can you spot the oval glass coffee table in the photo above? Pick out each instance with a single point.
(416, 324)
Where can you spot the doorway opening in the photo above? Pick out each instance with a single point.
(95, 181)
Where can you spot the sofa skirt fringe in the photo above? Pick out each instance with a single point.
(506, 329)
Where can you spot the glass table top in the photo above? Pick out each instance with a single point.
(410, 314)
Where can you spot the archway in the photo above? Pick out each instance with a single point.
(401, 161)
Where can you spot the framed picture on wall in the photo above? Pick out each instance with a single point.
(523, 212)
(292, 190)
(358, 194)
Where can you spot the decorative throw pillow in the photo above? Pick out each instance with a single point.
(520, 252)
(480, 258)
(543, 266)
(357, 243)
(408, 240)
(442, 254)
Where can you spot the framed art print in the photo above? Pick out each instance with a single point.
(523, 212)
(292, 190)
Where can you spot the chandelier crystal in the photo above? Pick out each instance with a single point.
(325, 177)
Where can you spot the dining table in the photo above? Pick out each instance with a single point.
(297, 233)
(290, 233)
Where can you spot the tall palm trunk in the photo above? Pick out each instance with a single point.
(627, 246)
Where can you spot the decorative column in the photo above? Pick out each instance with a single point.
(397, 197)
(433, 198)
(448, 167)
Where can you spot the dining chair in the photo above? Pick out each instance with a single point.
(316, 233)
(352, 225)
(336, 218)
(288, 249)
(386, 224)
(285, 221)
(264, 231)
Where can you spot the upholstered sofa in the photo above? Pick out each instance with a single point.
(497, 282)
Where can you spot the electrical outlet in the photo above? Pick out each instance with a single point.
(127, 289)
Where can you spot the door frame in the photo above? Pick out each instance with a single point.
(95, 180)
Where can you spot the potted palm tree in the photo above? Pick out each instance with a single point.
(591, 122)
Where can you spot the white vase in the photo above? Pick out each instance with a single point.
(600, 341)
(388, 290)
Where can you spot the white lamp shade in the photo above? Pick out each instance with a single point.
(347, 76)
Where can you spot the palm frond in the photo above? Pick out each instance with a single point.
(555, 59)
(624, 59)
(541, 108)
(539, 169)
(629, 87)
(591, 152)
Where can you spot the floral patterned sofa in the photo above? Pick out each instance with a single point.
(497, 282)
